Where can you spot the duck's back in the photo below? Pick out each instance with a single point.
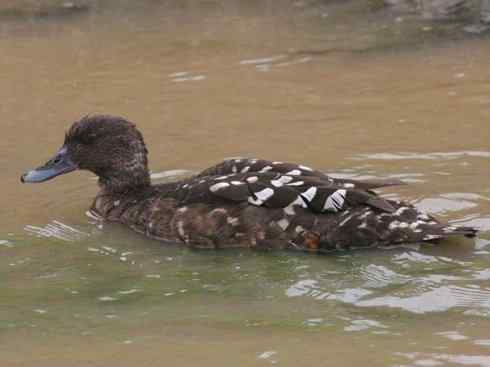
(258, 203)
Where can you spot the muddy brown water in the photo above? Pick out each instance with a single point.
(208, 80)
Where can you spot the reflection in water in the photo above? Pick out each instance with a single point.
(323, 83)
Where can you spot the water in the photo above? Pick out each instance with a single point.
(357, 96)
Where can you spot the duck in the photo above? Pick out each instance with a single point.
(240, 202)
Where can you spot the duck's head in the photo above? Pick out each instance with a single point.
(110, 147)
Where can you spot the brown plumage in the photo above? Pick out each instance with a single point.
(239, 202)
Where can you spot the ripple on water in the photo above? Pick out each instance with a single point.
(153, 276)
(464, 196)
(6, 243)
(425, 156)
(364, 324)
(407, 258)
(266, 63)
(268, 355)
(130, 291)
(413, 258)
(439, 299)
(409, 280)
(185, 76)
(379, 276)
(312, 288)
(481, 243)
(107, 299)
(481, 223)
(452, 335)
(301, 60)
(482, 274)
(263, 60)
(482, 342)
(302, 287)
(314, 321)
(443, 204)
(409, 177)
(440, 359)
(58, 230)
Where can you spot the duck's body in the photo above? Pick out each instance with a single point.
(239, 202)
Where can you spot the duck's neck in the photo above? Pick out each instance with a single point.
(125, 181)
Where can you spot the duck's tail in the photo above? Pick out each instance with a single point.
(367, 227)
(412, 225)
(450, 230)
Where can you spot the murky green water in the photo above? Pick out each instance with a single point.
(317, 84)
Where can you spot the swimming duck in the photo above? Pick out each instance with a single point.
(237, 203)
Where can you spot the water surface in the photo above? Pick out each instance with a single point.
(356, 96)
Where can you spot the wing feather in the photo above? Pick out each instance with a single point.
(252, 165)
(275, 190)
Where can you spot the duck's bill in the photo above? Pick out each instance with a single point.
(58, 165)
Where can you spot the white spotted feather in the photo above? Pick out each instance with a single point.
(335, 201)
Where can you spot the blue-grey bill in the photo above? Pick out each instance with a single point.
(58, 165)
